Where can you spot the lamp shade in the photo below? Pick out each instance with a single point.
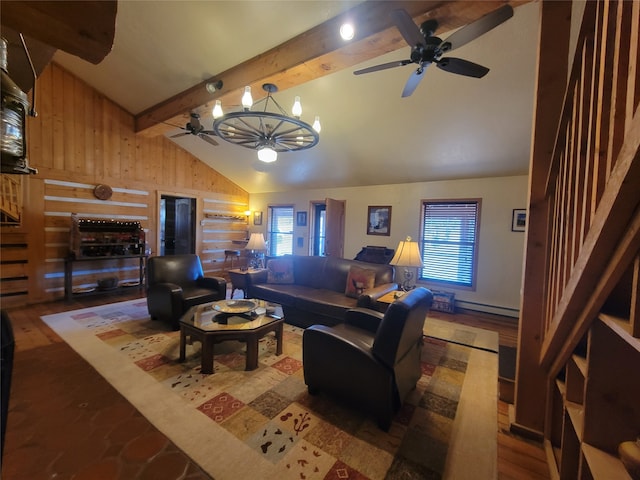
(256, 242)
(407, 254)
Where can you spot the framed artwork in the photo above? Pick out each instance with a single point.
(518, 220)
(301, 219)
(257, 218)
(379, 221)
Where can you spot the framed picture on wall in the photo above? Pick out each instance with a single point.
(518, 220)
(257, 218)
(301, 219)
(379, 221)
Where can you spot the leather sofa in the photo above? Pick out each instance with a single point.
(176, 283)
(372, 361)
(313, 289)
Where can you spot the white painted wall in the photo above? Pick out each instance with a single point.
(500, 250)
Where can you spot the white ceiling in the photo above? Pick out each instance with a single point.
(451, 127)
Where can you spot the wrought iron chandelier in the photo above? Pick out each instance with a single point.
(268, 132)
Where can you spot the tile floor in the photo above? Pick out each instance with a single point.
(66, 422)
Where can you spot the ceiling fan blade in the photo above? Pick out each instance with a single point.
(413, 81)
(208, 139)
(180, 135)
(384, 66)
(407, 27)
(477, 28)
(462, 67)
(208, 132)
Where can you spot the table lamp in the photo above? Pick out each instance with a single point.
(257, 245)
(407, 256)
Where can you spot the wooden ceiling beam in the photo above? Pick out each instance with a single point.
(85, 29)
(315, 53)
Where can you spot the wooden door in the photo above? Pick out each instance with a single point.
(334, 242)
(185, 226)
(177, 225)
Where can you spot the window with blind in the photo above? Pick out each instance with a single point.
(280, 230)
(449, 241)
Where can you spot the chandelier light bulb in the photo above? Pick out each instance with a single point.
(316, 124)
(299, 140)
(217, 110)
(267, 155)
(297, 108)
(347, 31)
(247, 99)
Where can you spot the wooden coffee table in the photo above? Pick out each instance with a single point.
(208, 326)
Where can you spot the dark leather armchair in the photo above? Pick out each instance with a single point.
(372, 360)
(176, 283)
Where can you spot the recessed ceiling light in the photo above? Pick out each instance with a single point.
(346, 31)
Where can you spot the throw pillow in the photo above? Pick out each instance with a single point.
(359, 280)
(280, 270)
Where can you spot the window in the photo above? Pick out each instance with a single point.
(280, 230)
(450, 241)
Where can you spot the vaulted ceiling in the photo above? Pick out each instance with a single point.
(164, 52)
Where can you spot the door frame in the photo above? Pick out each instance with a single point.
(195, 231)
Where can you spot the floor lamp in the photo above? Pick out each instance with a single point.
(407, 256)
(256, 245)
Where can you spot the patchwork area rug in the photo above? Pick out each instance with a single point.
(263, 424)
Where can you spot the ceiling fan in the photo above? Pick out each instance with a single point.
(427, 49)
(194, 127)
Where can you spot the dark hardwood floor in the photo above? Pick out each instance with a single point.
(518, 458)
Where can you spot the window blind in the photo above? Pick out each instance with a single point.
(280, 230)
(449, 239)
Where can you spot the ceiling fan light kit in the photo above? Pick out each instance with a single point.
(267, 132)
(427, 48)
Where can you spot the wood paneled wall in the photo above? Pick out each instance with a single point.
(81, 139)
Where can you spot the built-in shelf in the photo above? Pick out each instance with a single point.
(597, 404)
(581, 363)
(622, 326)
(603, 465)
(576, 414)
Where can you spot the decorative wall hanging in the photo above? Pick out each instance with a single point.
(518, 220)
(379, 221)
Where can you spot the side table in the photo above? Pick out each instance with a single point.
(239, 278)
(387, 299)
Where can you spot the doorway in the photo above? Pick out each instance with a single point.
(328, 228)
(177, 225)
(319, 228)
